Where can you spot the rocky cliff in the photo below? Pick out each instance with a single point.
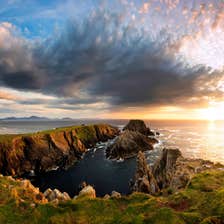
(19, 154)
(144, 179)
(172, 171)
(128, 144)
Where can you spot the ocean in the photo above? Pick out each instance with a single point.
(195, 139)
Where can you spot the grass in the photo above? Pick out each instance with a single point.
(84, 133)
(193, 205)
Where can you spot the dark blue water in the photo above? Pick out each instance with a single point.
(94, 169)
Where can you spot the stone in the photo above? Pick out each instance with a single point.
(51, 195)
(106, 196)
(88, 191)
(115, 194)
(128, 144)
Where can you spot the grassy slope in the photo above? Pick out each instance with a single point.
(201, 200)
(83, 133)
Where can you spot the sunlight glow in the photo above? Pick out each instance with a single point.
(213, 113)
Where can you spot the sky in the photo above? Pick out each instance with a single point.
(149, 59)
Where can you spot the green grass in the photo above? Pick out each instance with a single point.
(84, 133)
(192, 205)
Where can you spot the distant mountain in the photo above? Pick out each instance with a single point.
(31, 118)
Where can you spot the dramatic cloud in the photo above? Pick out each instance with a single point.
(123, 58)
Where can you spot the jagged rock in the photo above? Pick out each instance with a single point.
(174, 171)
(115, 194)
(128, 144)
(52, 195)
(43, 151)
(138, 125)
(165, 167)
(27, 185)
(144, 179)
(88, 191)
(106, 196)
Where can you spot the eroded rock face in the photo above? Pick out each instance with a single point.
(172, 171)
(41, 152)
(128, 144)
(138, 125)
(165, 167)
(144, 179)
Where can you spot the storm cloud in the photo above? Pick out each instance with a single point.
(106, 58)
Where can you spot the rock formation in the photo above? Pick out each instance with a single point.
(40, 152)
(144, 179)
(165, 167)
(138, 125)
(88, 191)
(128, 144)
(55, 195)
(172, 171)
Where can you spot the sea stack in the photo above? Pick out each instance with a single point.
(139, 126)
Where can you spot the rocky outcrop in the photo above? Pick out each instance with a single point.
(56, 196)
(172, 171)
(144, 179)
(115, 194)
(88, 191)
(138, 125)
(165, 167)
(128, 144)
(40, 152)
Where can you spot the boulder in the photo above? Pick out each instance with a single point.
(128, 144)
(106, 196)
(115, 194)
(144, 179)
(55, 194)
(88, 191)
(138, 125)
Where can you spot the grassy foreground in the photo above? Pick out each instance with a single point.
(201, 202)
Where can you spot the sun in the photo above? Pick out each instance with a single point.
(213, 113)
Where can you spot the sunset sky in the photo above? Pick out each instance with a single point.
(155, 59)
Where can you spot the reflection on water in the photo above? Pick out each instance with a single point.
(196, 139)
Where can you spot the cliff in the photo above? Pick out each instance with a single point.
(170, 172)
(42, 151)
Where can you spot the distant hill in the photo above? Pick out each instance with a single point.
(31, 118)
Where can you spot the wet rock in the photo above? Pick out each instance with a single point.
(144, 179)
(128, 144)
(138, 125)
(115, 194)
(88, 191)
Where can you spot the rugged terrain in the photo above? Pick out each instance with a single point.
(200, 202)
(42, 151)
(175, 190)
